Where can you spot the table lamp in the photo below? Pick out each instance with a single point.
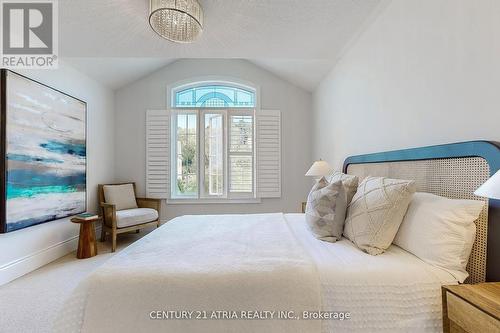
(319, 169)
(491, 188)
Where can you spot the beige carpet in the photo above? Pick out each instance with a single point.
(32, 302)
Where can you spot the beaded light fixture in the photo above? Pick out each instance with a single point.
(179, 21)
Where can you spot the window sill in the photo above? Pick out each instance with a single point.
(212, 201)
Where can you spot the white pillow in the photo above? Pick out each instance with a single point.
(376, 212)
(325, 210)
(122, 196)
(440, 231)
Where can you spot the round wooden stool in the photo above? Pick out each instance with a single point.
(87, 245)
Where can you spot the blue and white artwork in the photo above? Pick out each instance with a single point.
(45, 154)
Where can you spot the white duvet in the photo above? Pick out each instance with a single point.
(230, 266)
(239, 263)
(391, 292)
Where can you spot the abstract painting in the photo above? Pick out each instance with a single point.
(43, 148)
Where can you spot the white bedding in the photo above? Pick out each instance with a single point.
(391, 292)
(200, 263)
(255, 262)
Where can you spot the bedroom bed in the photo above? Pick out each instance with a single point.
(260, 273)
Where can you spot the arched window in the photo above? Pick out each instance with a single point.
(213, 130)
(206, 95)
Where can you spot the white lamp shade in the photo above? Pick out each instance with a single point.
(319, 169)
(491, 188)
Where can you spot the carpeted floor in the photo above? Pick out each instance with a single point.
(31, 302)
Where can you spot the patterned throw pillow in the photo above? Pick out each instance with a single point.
(350, 183)
(326, 209)
(376, 212)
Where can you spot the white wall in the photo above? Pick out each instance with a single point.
(25, 250)
(295, 103)
(424, 72)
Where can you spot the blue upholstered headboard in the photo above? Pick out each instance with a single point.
(454, 170)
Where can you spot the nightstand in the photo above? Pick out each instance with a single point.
(471, 308)
(304, 204)
(87, 246)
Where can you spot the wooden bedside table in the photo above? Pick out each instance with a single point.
(87, 246)
(471, 308)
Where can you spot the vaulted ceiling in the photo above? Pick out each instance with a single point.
(299, 40)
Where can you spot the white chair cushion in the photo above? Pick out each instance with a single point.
(122, 196)
(129, 217)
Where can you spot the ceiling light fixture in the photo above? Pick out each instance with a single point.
(179, 21)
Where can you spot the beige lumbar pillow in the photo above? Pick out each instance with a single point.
(122, 196)
(350, 183)
(326, 209)
(376, 212)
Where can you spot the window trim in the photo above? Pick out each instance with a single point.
(177, 201)
(251, 197)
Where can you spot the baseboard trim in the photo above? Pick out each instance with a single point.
(21, 266)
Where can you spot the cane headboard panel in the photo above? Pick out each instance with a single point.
(453, 171)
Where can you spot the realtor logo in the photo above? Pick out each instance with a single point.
(29, 34)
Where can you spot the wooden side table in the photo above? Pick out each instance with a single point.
(87, 245)
(471, 308)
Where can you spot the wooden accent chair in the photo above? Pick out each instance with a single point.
(114, 222)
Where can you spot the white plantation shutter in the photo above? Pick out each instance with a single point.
(157, 154)
(268, 142)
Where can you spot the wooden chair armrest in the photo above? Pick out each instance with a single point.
(108, 205)
(149, 203)
(108, 214)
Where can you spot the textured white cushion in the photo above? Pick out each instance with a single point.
(122, 196)
(326, 209)
(350, 183)
(376, 212)
(129, 217)
(440, 231)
